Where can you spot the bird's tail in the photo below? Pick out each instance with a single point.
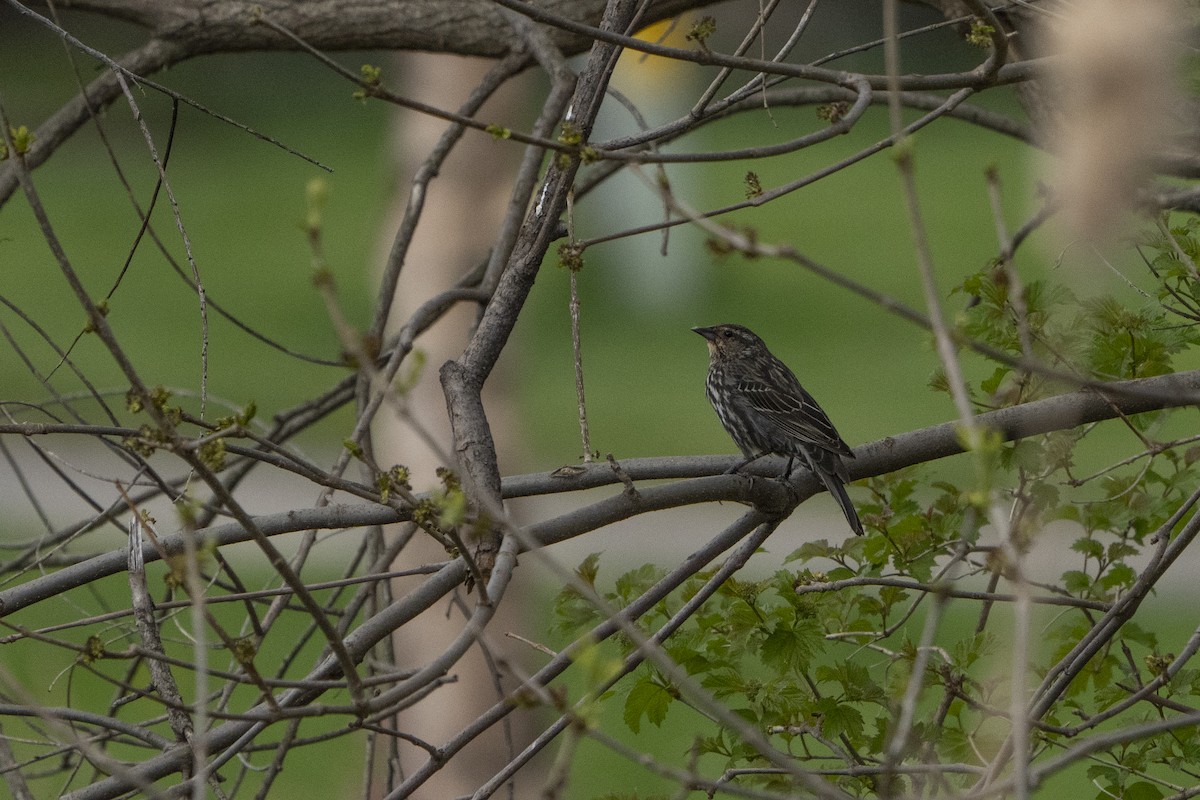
(829, 469)
(838, 490)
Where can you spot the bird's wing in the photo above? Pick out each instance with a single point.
(785, 403)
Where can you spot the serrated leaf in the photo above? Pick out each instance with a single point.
(839, 718)
(808, 551)
(1076, 582)
(636, 581)
(1120, 550)
(724, 682)
(646, 699)
(1118, 575)
(791, 646)
(589, 568)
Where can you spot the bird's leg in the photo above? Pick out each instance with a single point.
(787, 471)
(748, 460)
(786, 478)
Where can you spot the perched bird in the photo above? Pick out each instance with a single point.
(766, 410)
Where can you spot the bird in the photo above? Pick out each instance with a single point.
(764, 408)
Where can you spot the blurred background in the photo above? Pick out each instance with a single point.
(243, 201)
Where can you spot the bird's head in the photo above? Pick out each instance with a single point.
(730, 341)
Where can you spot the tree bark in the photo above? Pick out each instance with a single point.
(464, 27)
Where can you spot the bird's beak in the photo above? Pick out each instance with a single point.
(707, 333)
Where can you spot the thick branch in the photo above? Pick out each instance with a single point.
(1061, 412)
(465, 27)
(186, 28)
(875, 458)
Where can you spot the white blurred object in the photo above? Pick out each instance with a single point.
(1114, 93)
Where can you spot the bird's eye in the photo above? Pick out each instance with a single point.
(727, 334)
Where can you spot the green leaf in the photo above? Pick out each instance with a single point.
(724, 682)
(969, 650)
(572, 611)
(1077, 582)
(1120, 550)
(647, 699)
(839, 718)
(1134, 632)
(809, 551)
(1142, 790)
(856, 682)
(789, 647)
(991, 385)
(1118, 575)
(1102, 774)
(588, 569)
(637, 581)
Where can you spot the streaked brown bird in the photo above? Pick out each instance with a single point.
(766, 410)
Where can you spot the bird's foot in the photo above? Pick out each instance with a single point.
(786, 475)
(737, 468)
